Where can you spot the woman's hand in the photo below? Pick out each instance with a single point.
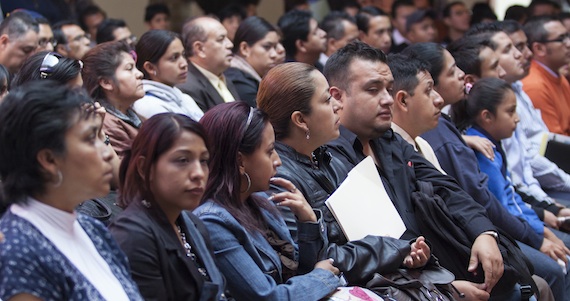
(327, 264)
(419, 254)
(482, 145)
(293, 199)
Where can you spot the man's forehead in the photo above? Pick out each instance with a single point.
(554, 27)
(370, 70)
(501, 39)
(30, 37)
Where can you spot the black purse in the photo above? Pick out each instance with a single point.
(430, 283)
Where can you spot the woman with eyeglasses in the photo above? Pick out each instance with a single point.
(255, 53)
(50, 65)
(251, 242)
(111, 77)
(162, 60)
(164, 175)
(52, 162)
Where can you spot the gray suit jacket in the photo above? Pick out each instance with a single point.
(200, 88)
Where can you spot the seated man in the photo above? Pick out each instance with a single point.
(417, 106)
(72, 41)
(303, 40)
(552, 179)
(115, 30)
(401, 9)
(550, 44)
(157, 16)
(18, 40)
(374, 28)
(341, 29)
(360, 80)
(456, 17)
(209, 53)
(420, 28)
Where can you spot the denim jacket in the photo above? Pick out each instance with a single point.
(251, 266)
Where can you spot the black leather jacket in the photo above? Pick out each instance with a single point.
(317, 179)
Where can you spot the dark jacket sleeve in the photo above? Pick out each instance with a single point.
(459, 161)
(137, 243)
(469, 215)
(359, 259)
(245, 85)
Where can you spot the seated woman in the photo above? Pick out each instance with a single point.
(168, 248)
(255, 52)
(50, 65)
(56, 161)
(66, 71)
(253, 247)
(162, 60)
(305, 118)
(112, 79)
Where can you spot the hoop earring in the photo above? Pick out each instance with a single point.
(248, 182)
(308, 134)
(59, 179)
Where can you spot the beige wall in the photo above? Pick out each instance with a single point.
(132, 11)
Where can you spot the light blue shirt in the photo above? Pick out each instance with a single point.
(527, 166)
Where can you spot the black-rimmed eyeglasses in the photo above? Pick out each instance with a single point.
(560, 39)
(44, 41)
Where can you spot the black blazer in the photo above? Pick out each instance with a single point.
(157, 259)
(202, 91)
(245, 84)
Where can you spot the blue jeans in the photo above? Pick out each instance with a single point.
(549, 270)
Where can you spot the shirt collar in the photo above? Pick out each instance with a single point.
(547, 69)
(405, 135)
(210, 76)
(353, 139)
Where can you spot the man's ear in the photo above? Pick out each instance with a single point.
(61, 49)
(198, 49)
(400, 100)
(331, 44)
(300, 44)
(337, 94)
(539, 49)
(361, 35)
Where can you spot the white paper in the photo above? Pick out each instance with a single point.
(362, 206)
